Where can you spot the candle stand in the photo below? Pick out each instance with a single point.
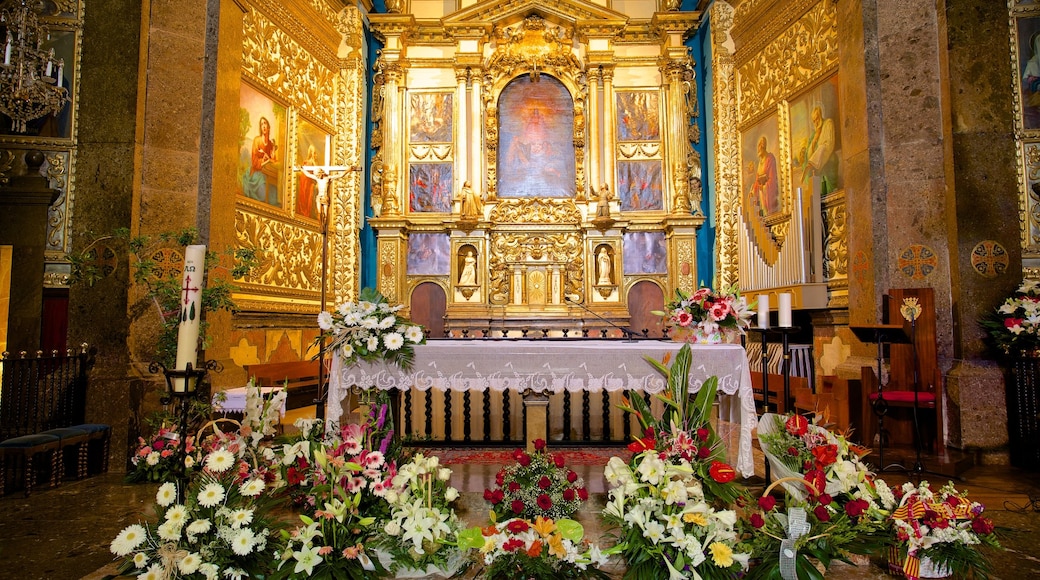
(182, 385)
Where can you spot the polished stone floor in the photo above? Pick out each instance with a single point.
(64, 533)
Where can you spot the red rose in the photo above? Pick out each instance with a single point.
(572, 477)
(558, 461)
(825, 455)
(797, 425)
(825, 499)
(792, 451)
(757, 520)
(822, 514)
(500, 477)
(488, 495)
(544, 502)
(514, 487)
(517, 526)
(583, 494)
(524, 460)
(702, 434)
(539, 444)
(498, 497)
(982, 526)
(568, 494)
(517, 506)
(544, 482)
(721, 472)
(517, 453)
(513, 544)
(856, 507)
(767, 502)
(704, 452)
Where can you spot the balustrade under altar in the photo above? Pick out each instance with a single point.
(536, 368)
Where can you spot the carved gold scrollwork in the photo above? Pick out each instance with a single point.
(287, 253)
(836, 239)
(508, 249)
(535, 211)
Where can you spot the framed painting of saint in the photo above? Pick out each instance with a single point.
(815, 118)
(638, 116)
(429, 187)
(639, 185)
(644, 253)
(760, 174)
(430, 117)
(262, 132)
(313, 147)
(428, 255)
(1028, 47)
(536, 139)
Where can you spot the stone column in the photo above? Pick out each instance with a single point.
(462, 144)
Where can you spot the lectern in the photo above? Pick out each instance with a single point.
(880, 334)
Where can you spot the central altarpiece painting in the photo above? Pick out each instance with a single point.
(535, 168)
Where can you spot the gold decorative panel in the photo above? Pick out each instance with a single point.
(290, 256)
(535, 211)
(727, 145)
(524, 248)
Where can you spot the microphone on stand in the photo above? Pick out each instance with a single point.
(630, 335)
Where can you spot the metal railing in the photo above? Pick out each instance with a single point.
(41, 392)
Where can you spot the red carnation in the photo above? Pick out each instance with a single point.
(583, 494)
(797, 425)
(558, 460)
(825, 455)
(757, 520)
(721, 472)
(539, 444)
(702, 433)
(822, 514)
(568, 494)
(158, 445)
(572, 477)
(517, 506)
(517, 526)
(767, 502)
(792, 451)
(544, 502)
(544, 482)
(513, 544)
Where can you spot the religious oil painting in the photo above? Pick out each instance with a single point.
(428, 254)
(262, 133)
(644, 253)
(59, 124)
(638, 116)
(536, 144)
(312, 148)
(429, 117)
(760, 174)
(429, 187)
(816, 140)
(639, 185)
(1029, 70)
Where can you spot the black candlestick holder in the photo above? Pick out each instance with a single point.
(183, 385)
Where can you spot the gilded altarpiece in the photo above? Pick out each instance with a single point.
(540, 206)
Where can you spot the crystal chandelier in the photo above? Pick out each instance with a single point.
(30, 77)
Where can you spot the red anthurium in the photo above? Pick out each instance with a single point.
(797, 425)
(721, 472)
(643, 444)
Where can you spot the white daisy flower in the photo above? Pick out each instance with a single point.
(241, 517)
(199, 527)
(189, 564)
(325, 320)
(220, 460)
(154, 572)
(167, 494)
(140, 560)
(211, 495)
(152, 459)
(372, 343)
(252, 487)
(177, 514)
(128, 540)
(170, 531)
(414, 334)
(393, 341)
(189, 461)
(242, 543)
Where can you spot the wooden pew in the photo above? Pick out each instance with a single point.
(300, 378)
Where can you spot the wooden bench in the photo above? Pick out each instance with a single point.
(300, 379)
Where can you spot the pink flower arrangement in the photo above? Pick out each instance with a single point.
(706, 313)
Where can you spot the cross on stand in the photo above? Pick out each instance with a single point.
(322, 175)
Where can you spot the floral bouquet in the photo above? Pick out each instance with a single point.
(1015, 325)
(156, 459)
(261, 413)
(223, 527)
(420, 536)
(938, 532)
(796, 447)
(370, 330)
(537, 485)
(790, 540)
(706, 316)
(544, 549)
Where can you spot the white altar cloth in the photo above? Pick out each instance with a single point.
(553, 367)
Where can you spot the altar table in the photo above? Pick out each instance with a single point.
(554, 366)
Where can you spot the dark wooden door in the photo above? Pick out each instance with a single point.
(428, 306)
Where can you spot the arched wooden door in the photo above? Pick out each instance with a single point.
(428, 306)
(643, 298)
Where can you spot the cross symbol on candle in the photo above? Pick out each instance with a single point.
(188, 289)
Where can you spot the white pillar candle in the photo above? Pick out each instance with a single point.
(328, 150)
(784, 310)
(763, 310)
(191, 311)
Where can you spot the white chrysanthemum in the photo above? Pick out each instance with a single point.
(372, 343)
(325, 320)
(220, 460)
(152, 459)
(243, 541)
(387, 322)
(140, 560)
(155, 572)
(198, 527)
(241, 517)
(189, 564)
(414, 334)
(167, 494)
(211, 495)
(393, 341)
(169, 531)
(177, 514)
(252, 487)
(128, 540)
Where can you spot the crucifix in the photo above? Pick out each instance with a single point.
(322, 175)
